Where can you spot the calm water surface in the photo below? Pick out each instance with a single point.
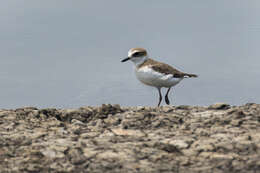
(67, 54)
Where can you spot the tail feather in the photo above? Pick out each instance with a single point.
(190, 75)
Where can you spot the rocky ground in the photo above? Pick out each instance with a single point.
(110, 138)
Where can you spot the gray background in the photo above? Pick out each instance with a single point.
(58, 53)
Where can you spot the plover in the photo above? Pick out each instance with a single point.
(154, 73)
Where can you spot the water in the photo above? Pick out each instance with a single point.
(67, 54)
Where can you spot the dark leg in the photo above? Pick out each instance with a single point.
(166, 97)
(160, 96)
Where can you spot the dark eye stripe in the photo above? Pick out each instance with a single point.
(136, 54)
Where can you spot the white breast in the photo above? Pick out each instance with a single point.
(150, 77)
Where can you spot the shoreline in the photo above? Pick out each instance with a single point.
(110, 138)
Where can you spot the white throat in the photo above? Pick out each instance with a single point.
(139, 61)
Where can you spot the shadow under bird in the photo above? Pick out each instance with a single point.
(154, 73)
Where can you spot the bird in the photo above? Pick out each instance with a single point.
(154, 73)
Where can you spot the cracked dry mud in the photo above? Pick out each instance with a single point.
(110, 138)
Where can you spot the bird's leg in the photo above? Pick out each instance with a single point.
(160, 96)
(166, 97)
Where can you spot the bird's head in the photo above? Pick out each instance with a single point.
(136, 55)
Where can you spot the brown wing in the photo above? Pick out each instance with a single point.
(166, 69)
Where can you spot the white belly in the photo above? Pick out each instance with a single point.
(150, 77)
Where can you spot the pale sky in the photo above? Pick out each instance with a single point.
(67, 53)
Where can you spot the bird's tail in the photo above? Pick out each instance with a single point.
(190, 75)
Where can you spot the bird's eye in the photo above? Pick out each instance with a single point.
(136, 54)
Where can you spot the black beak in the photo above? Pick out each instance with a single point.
(126, 59)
